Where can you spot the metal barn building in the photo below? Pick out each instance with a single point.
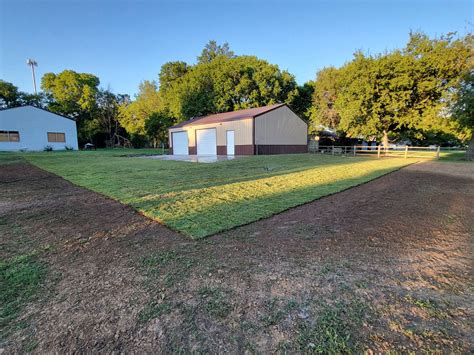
(33, 128)
(274, 129)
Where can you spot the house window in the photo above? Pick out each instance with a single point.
(56, 137)
(9, 136)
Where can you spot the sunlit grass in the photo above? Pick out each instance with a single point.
(203, 199)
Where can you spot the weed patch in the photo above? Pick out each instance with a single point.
(334, 329)
(215, 301)
(430, 306)
(327, 269)
(166, 267)
(159, 259)
(153, 310)
(275, 312)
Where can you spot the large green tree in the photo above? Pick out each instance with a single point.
(373, 96)
(170, 72)
(133, 115)
(104, 126)
(9, 95)
(227, 84)
(302, 102)
(326, 88)
(212, 50)
(463, 109)
(156, 128)
(73, 94)
(219, 82)
(403, 92)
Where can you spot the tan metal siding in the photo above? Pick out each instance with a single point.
(243, 132)
(280, 127)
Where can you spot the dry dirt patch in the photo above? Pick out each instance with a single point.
(386, 265)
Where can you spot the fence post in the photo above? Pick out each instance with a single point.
(332, 150)
(354, 150)
(378, 150)
(406, 151)
(437, 152)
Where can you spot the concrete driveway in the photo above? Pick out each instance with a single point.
(194, 158)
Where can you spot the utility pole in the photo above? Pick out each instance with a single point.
(32, 63)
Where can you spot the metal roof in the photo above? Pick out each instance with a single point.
(39, 108)
(228, 116)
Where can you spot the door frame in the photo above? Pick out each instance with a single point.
(196, 137)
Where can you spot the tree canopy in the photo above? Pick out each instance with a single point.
(10, 96)
(301, 103)
(103, 121)
(423, 92)
(73, 93)
(227, 84)
(212, 50)
(463, 109)
(219, 82)
(325, 93)
(170, 72)
(404, 91)
(133, 115)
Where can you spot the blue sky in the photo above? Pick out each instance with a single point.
(125, 42)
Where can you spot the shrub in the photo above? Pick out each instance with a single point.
(48, 148)
(68, 147)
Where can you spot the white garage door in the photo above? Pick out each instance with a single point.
(180, 143)
(206, 141)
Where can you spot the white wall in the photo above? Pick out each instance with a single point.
(243, 131)
(34, 124)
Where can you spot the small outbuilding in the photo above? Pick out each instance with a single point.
(32, 128)
(273, 129)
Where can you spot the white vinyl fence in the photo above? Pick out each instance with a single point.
(380, 151)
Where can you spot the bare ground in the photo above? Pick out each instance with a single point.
(386, 265)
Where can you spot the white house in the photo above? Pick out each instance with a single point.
(33, 128)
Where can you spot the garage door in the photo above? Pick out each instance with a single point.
(180, 143)
(206, 141)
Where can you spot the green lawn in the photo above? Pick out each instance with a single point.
(203, 199)
(20, 280)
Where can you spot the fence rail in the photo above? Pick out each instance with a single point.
(380, 151)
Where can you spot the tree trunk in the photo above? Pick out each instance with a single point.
(470, 149)
(385, 140)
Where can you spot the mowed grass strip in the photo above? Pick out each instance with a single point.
(203, 199)
(20, 281)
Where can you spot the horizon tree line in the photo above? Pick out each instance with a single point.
(422, 92)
